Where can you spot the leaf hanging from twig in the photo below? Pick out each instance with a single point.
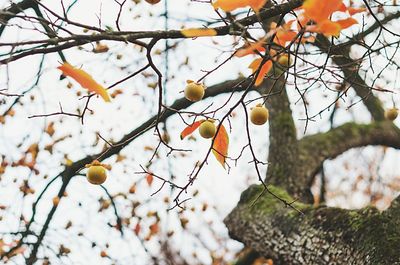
(85, 80)
(220, 146)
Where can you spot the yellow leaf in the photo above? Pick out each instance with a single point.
(85, 80)
(198, 32)
(220, 145)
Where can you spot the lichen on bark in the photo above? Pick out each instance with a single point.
(320, 235)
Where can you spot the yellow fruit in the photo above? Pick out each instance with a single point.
(285, 61)
(391, 114)
(259, 115)
(152, 2)
(194, 91)
(207, 129)
(96, 174)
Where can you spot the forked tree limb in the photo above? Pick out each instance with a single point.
(9, 12)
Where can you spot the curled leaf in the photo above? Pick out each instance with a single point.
(190, 129)
(85, 80)
(220, 145)
(198, 32)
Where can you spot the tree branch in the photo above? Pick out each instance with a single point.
(59, 44)
(350, 70)
(9, 12)
(356, 39)
(315, 149)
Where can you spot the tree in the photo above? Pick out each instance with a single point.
(347, 49)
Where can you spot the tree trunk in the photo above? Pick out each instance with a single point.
(320, 235)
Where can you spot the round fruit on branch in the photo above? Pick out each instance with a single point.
(194, 91)
(207, 129)
(391, 114)
(96, 173)
(259, 114)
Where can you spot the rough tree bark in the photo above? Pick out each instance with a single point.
(321, 235)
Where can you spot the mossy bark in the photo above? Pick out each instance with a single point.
(321, 235)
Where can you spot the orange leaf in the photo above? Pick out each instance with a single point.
(319, 10)
(283, 36)
(137, 228)
(353, 10)
(263, 71)
(326, 27)
(309, 39)
(198, 32)
(149, 179)
(251, 48)
(85, 80)
(329, 28)
(154, 229)
(220, 146)
(190, 129)
(342, 8)
(230, 5)
(257, 4)
(345, 23)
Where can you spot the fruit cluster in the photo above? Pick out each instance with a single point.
(195, 92)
